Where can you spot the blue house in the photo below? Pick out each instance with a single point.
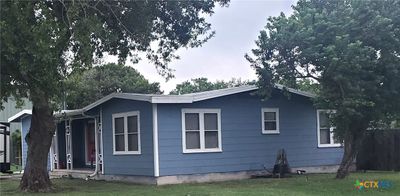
(209, 136)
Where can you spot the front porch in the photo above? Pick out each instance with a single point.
(77, 146)
(74, 173)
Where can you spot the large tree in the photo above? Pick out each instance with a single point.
(203, 84)
(351, 49)
(83, 88)
(42, 42)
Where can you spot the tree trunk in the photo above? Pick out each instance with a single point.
(349, 154)
(39, 138)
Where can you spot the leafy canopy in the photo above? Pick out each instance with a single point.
(42, 42)
(83, 88)
(202, 84)
(351, 49)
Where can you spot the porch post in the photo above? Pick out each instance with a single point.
(54, 151)
(101, 160)
(99, 144)
(68, 143)
(96, 143)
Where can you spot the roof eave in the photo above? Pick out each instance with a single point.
(295, 91)
(128, 96)
(19, 115)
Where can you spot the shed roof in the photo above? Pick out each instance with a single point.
(18, 116)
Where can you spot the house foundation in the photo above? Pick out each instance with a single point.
(192, 178)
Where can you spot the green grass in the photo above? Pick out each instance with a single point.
(15, 168)
(317, 184)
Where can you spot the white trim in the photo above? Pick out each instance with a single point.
(101, 140)
(201, 130)
(332, 144)
(125, 115)
(68, 143)
(51, 155)
(295, 91)
(155, 141)
(132, 96)
(20, 114)
(54, 144)
(276, 110)
(69, 113)
(186, 98)
(22, 147)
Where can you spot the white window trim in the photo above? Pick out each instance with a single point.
(276, 110)
(125, 116)
(202, 134)
(332, 144)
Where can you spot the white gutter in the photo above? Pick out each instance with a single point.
(155, 141)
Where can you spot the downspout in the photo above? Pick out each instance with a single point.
(96, 170)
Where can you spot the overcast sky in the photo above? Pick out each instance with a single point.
(222, 57)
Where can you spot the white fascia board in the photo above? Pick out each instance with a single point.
(193, 97)
(130, 96)
(68, 113)
(172, 99)
(19, 114)
(136, 97)
(98, 102)
(187, 98)
(223, 92)
(292, 90)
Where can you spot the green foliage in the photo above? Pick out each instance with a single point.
(16, 138)
(307, 85)
(42, 42)
(350, 48)
(202, 84)
(88, 86)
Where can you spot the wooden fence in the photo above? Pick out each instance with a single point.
(380, 150)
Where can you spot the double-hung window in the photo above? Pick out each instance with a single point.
(325, 130)
(126, 133)
(201, 130)
(270, 120)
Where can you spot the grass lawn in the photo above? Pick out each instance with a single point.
(16, 169)
(317, 184)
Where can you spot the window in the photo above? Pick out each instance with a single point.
(325, 130)
(201, 130)
(126, 133)
(270, 120)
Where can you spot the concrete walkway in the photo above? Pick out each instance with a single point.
(10, 176)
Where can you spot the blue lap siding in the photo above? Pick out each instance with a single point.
(141, 164)
(25, 127)
(244, 147)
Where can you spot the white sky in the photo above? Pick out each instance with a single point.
(222, 57)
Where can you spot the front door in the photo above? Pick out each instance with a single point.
(90, 144)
